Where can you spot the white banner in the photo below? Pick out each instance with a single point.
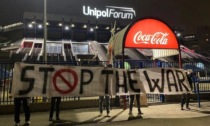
(30, 80)
(164, 80)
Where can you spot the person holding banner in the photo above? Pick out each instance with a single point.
(137, 101)
(107, 101)
(17, 104)
(25, 102)
(107, 104)
(55, 101)
(138, 104)
(191, 77)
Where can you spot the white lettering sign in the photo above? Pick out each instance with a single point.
(110, 12)
(158, 38)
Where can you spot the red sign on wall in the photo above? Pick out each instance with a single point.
(152, 34)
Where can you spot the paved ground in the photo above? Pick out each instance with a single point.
(155, 115)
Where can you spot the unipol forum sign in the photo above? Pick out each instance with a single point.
(30, 80)
(152, 34)
(110, 12)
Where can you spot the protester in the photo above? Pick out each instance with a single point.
(25, 102)
(137, 101)
(55, 101)
(107, 104)
(192, 78)
(138, 104)
(107, 101)
(17, 104)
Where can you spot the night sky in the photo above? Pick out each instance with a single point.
(186, 14)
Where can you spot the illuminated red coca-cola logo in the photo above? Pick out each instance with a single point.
(156, 38)
(150, 33)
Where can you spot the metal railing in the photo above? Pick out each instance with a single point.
(200, 87)
(6, 77)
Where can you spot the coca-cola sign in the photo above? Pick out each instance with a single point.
(150, 33)
(156, 38)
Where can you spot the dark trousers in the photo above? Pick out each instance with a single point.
(185, 99)
(55, 101)
(107, 101)
(25, 102)
(137, 101)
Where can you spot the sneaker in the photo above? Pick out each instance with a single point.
(50, 119)
(130, 113)
(100, 114)
(182, 109)
(57, 118)
(188, 108)
(17, 124)
(140, 113)
(27, 123)
(108, 115)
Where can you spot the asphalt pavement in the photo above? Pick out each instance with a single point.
(161, 114)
